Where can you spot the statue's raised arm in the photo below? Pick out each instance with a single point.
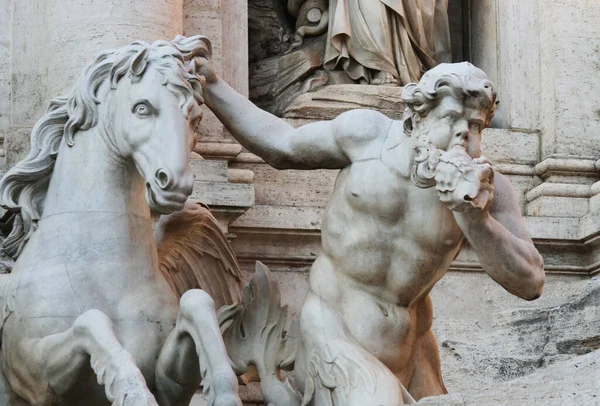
(327, 144)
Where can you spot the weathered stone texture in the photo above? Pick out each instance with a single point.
(92, 26)
(570, 61)
(5, 57)
(571, 383)
(269, 29)
(489, 337)
(225, 23)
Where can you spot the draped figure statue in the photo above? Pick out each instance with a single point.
(387, 41)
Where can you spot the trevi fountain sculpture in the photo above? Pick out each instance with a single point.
(101, 309)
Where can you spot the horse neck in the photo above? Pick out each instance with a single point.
(96, 199)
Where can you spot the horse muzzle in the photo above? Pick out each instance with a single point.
(166, 193)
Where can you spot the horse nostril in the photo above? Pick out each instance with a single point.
(162, 179)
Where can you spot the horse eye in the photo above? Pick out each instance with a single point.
(450, 118)
(142, 109)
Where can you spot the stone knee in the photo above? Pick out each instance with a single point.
(90, 323)
(94, 335)
(198, 318)
(67, 355)
(195, 302)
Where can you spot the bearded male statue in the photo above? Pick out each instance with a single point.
(409, 195)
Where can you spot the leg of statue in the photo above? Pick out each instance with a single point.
(7, 396)
(193, 351)
(336, 369)
(427, 378)
(60, 360)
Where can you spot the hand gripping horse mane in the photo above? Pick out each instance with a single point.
(92, 313)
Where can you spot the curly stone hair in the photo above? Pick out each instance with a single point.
(459, 80)
(23, 188)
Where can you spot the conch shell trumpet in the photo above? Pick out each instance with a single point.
(462, 182)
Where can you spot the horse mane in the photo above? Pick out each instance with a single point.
(23, 189)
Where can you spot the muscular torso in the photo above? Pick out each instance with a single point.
(386, 243)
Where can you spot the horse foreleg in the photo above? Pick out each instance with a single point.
(59, 360)
(193, 351)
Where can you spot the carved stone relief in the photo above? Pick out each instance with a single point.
(342, 42)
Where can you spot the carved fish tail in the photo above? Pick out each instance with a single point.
(334, 377)
(254, 333)
(341, 374)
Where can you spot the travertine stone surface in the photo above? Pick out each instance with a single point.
(331, 101)
(49, 47)
(568, 383)
(91, 26)
(540, 53)
(5, 56)
(226, 22)
(569, 46)
(542, 355)
(484, 344)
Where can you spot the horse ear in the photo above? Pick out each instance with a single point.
(138, 65)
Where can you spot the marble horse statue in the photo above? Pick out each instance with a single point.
(93, 312)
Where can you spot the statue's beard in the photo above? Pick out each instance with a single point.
(426, 159)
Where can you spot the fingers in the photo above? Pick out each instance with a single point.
(480, 202)
(464, 184)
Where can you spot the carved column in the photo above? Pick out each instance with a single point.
(548, 99)
(570, 96)
(79, 29)
(52, 41)
(547, 94)
(228, 191)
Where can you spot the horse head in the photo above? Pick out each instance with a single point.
(153, 109)
(145, 101)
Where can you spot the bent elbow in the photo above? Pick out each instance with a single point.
(279, 163)
(535, 288)
(535, 282)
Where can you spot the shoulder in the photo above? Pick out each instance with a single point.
(505, 199)
(361, 124)
(357, 132)
(506, 209)
(503, 189)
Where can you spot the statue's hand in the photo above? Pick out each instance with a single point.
(204, 64)
(464, 184)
